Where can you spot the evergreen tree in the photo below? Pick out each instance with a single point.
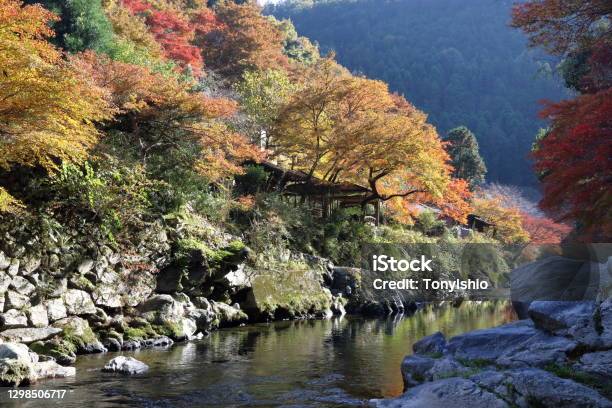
(465, 156)
(83, 25)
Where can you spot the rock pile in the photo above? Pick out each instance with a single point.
(560, 357)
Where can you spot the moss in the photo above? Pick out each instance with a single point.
(83, 283)
(51, 348)
(235, 246)
(139, 331)
(14, 373)
(434, 355)
(215, 257)
(478, 363)
(75, 341)
(172, 330)
(568, 372)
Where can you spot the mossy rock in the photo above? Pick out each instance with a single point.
(63, 351)
(14, 373)
(139, 329)
(292, 292)
(169, 329)
(232, 253)
(81, 283)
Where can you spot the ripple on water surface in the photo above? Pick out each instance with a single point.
(320, 363)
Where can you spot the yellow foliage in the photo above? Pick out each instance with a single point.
(47, 111)
(340, 127)
(8, 203)
(507, 221)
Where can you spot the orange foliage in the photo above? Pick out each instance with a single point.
(455, 201)
(47, 110)
(543, 230)
(172, 30)
(508, 222)
(161, 114)
(241, 39)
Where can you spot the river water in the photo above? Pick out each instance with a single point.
(320, 363)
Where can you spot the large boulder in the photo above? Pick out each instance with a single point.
(56, 309)
(447, 367)
(539, 350)
(433, 344)
(203, 318)
(61, 350)
(450, 392)
(125, 365)
(415, 368)
(597, 364)
(528, 387)
(16, 351)
(554, 316)
(13, 319)
(162, 309)
(228, 315)
(80, 334)
(29, 334)
(552, 278)
(51, 369)
(37, 316)
(490, 344)
(18, 372)
(79, 302)
(14, 373)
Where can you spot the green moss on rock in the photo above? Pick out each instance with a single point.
(14, 373)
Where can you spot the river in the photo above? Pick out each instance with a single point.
(318, 363)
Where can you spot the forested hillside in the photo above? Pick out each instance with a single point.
(458, 61)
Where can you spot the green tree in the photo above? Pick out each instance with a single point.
(262, 95)
(83, 25)
(465, 156)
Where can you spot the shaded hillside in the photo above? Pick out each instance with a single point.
(458, 61)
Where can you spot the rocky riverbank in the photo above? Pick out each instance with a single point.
(561, 356)
(65, 293)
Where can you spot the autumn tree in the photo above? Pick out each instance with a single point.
(338, 128)
(47, 109)
(171, 29)
(573, 156)
(165, 121)
(507, 222)
(543, 230)
(262, 94)
(465, 156)
(245, 40)
(573, 160)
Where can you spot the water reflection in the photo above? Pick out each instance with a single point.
(329, 363)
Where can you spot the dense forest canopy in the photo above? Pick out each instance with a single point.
(139, 111)
(458, 61)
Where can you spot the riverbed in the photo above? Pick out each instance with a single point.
(316, 363)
